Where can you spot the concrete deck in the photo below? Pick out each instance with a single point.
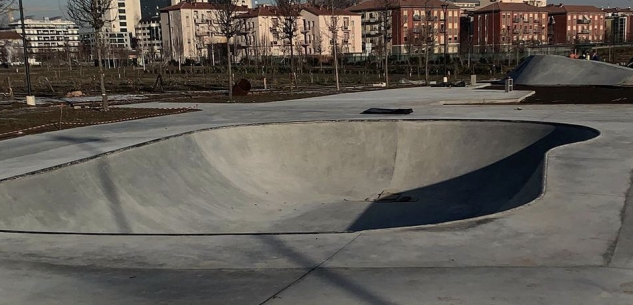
(572, 245)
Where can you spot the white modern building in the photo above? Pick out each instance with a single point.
(49, 35)
(125, 16)
(149, 39)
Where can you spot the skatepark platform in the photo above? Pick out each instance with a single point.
(571, 245)
(553, 70)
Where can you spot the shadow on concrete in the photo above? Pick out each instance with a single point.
(503, 185)
(362, 295)
(104, 176)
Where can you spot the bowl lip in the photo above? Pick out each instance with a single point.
(449, 225)
(158, 140)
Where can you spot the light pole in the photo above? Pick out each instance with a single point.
(30, 99)
(445, 10)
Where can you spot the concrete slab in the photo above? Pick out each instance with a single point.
(519, 286)
(46, 284)
(581, 223)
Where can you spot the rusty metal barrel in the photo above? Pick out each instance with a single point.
(241, 88)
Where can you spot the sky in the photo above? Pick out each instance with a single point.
(51, 8)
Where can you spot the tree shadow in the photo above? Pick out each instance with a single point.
(338, 281)
(503, 185)
(104, 176)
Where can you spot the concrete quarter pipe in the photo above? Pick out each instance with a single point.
(552, 70)
(293, 178)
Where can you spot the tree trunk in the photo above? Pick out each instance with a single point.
(338, 84)
(292, 66)
(228, 52)
(104, 96)
(386, 63)
(426, 64)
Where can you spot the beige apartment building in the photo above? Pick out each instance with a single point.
(314, 37)
(188, 31)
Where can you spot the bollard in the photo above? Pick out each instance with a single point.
(265, 86)
(473, 80)
(30, 100)
(509, 84)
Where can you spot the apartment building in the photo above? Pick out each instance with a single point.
(11, 47)
(539, 3)
(124, 16)
(49, 35)
(501, 26)
(410, 22)
(618, 25)
(188, 30)
(149, 38)
(322, 27)
(571, 24)
(466, 5)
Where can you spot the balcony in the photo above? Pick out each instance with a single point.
(345, 41)
(584, 31)
(516, 31)
(305, 43)
(516, 20)
(417, 18)
(345, 28)
(305, 30)
(372, 20)
(431, 18)
(584, 21)
(536, 20)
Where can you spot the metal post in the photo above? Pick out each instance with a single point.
(26, 53)
(445, 9)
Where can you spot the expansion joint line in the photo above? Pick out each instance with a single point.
(299, 279)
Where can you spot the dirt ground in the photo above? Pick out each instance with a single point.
(17, 120)
(576, 95)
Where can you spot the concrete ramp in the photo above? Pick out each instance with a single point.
(300, 177)
(553, 70)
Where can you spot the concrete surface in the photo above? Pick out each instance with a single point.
(553, 70)
(284, 178)
(572, 245)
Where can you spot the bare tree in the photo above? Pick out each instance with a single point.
(333, 28)
(228, 25)
(286, 28)
(384, 14)
(92, 13)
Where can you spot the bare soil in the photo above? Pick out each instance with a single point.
(17, 120)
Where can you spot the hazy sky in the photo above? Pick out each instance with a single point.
(50, 8)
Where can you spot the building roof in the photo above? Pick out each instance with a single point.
(196, 6)
(375, 5)
(320, 11)
(627, 10)
(564, 9)
(10, 35)
(514, 7)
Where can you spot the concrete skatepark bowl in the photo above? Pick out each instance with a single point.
(335, 176)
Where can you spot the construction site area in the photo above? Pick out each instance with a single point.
(513, 190)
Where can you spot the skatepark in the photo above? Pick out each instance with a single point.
(311, 202)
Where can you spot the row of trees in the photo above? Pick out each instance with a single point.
(228, 24)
